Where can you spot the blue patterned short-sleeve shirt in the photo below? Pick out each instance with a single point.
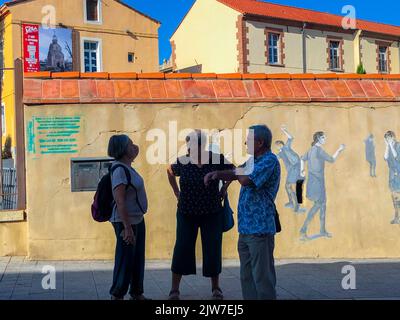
(255, 210)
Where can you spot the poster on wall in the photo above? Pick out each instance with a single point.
(31, 47)
(47, 49)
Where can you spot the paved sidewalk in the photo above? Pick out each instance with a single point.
(21, 279)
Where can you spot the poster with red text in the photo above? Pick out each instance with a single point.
(31, 47)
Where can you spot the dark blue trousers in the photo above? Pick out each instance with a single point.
(129, 262)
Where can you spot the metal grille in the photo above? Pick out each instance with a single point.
(9, 192)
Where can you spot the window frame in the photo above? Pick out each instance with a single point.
(99, 13)
(388, 45)
(99, 53)
(280, 47)
(134, 56)
(340, 54)
(386, 60)
(275, 48)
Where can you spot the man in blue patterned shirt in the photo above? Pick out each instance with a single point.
(260, 178)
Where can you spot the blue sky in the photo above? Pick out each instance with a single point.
(171, 12)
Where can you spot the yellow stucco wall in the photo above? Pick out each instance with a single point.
(207, 37)
(13, 239)
(316, 49)
(116, 20)
(8, 83)
(359, 208)
(369, 55)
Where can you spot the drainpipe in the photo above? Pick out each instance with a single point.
(357, 49)
(303, 33)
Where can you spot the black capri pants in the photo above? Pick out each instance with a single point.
(184, 258)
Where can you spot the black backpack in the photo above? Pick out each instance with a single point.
(103, 202)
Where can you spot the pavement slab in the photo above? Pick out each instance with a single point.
(21, 279)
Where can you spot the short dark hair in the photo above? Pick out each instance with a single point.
(262, 132)
(316, 137)
(390, 134)
(117, 146)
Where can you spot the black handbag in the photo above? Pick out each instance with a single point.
(277, 220)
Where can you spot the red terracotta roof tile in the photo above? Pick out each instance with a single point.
(278, 76)
(140, 89)
(383, 89)
(222, 88)
(44, 74)
(204, 75)
(253, 89)
(51, 89)
(283, 88)
(178, 76)
(268, 89)
(87, 89)
(271, 10)
(355, 88)
(155, 75)
(302, 76)
(65, 75)
(69, 89)
(313, 89)
(254, 76)
(123, 75)
(94, 75)
(157, 89)
(229, 76)
(342, 89)
(238, 89)
(327, 88)
(198, 89)
(174, 90)
(105, 89)
(369, 89)
(298, 89)
(122, 89)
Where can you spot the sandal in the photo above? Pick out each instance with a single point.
(174, 295)
(217, 294)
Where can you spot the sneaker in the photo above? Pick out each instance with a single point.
(326, 234)
(395, 221)
(140, 297)
(174, 295)
(303, 236)
(217, 294)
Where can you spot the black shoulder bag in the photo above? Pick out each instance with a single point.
(277, 220)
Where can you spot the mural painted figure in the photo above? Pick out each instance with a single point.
(370, 154)
(316, 158)
(392, 157)
(292, 164)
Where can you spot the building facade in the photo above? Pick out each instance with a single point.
(73, 35)
(250, 36)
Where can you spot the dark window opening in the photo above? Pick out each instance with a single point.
(92, 10)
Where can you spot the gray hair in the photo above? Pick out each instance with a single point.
(263, 133)
(117, 146)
